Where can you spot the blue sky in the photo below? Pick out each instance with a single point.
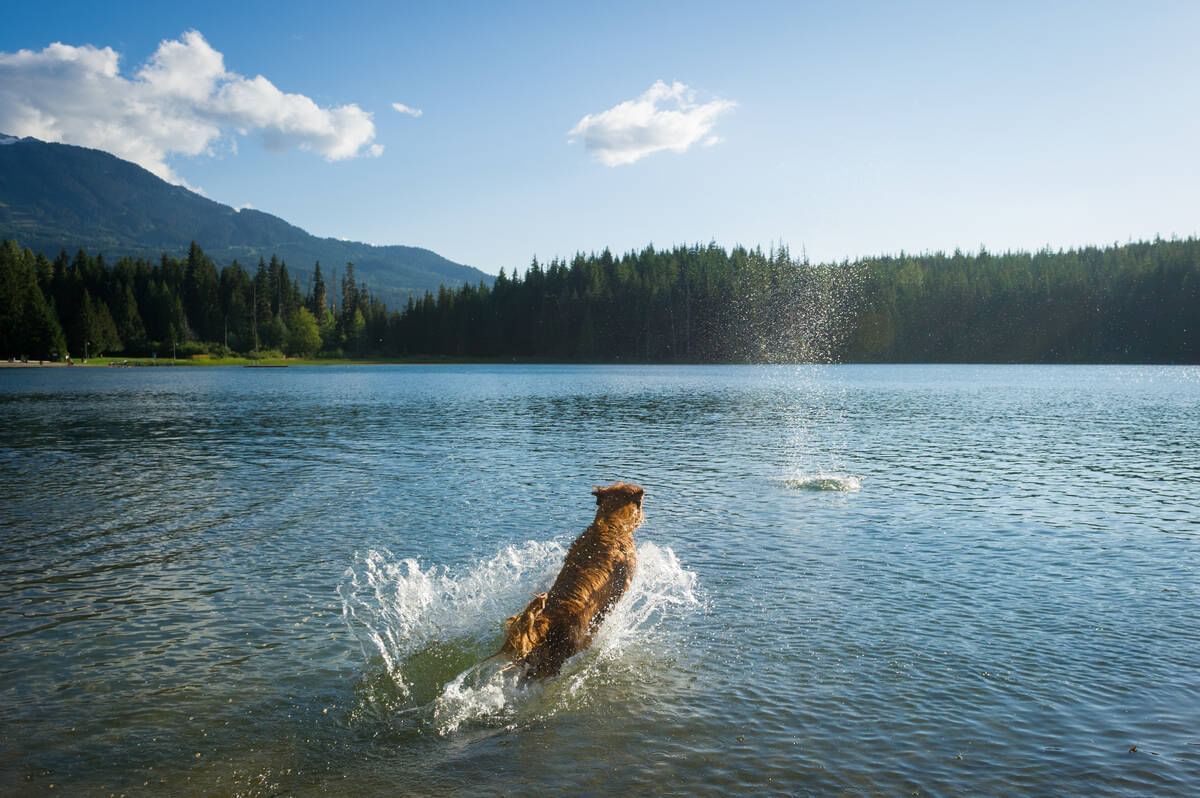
(847, 129)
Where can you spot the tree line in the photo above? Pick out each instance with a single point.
(81, 305)
(1138, 302)
(1131, 303)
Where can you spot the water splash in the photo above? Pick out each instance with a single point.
(783, 310)
(434, 633)
(843, 483)
(806, 315)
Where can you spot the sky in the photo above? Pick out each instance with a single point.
(495, 132)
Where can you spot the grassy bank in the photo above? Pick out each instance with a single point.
(275, 361)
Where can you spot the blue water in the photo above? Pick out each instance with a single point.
(935, 580)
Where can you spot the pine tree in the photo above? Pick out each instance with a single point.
(95, 331)
(28, 324)
(318, 302)
(128, 320)
(200, 295)
(261, 305)
(43, 335)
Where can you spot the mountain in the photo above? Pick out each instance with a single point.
(58, 196)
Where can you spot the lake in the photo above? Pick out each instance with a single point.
(862, 580)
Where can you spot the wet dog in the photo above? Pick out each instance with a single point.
(597, 571)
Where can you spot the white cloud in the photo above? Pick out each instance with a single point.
(665, 117)
(408, 109)
(181, 102)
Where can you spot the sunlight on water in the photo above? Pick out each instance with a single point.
(434, 632)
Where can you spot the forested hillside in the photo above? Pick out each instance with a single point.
(56, 196)
(1133, 303)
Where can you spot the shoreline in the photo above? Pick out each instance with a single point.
(146, 362)
(241, 362)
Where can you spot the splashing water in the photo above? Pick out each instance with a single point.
(784, 310)
(436, 632)
(810, 321)
(843, 483)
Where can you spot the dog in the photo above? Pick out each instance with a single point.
(597, 571)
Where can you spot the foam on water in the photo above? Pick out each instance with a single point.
(843, 483)
(434, 631)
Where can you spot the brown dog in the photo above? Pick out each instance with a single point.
(597, 571)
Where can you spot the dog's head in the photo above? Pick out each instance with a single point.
(620, 499)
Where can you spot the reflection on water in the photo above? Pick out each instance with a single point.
(955, 580)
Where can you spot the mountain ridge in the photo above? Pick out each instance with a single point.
(61, 196)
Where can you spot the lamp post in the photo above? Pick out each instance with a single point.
(85, 350)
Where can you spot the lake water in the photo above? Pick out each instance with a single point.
(861, 580)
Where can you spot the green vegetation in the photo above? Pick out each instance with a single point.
(1134, 303)
(274, 359)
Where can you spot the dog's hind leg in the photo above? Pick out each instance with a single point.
(524, 631)
(560, 642)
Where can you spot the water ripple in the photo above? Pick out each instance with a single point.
(1006, 605)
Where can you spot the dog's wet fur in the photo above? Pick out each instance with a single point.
(597, 571)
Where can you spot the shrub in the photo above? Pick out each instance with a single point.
(189, 348)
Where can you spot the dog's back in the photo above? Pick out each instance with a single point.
(597, 571)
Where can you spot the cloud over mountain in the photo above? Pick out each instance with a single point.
(664, 117)
(182, 101)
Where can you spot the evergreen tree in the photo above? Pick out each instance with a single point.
(261, 310)
(236, 308)
(1134, 303)
(43, 335)
(318, 302)
(28, 324)
(95, 332)
(129, 326)
(200, 296)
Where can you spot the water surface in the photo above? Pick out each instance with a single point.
(941, 580)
